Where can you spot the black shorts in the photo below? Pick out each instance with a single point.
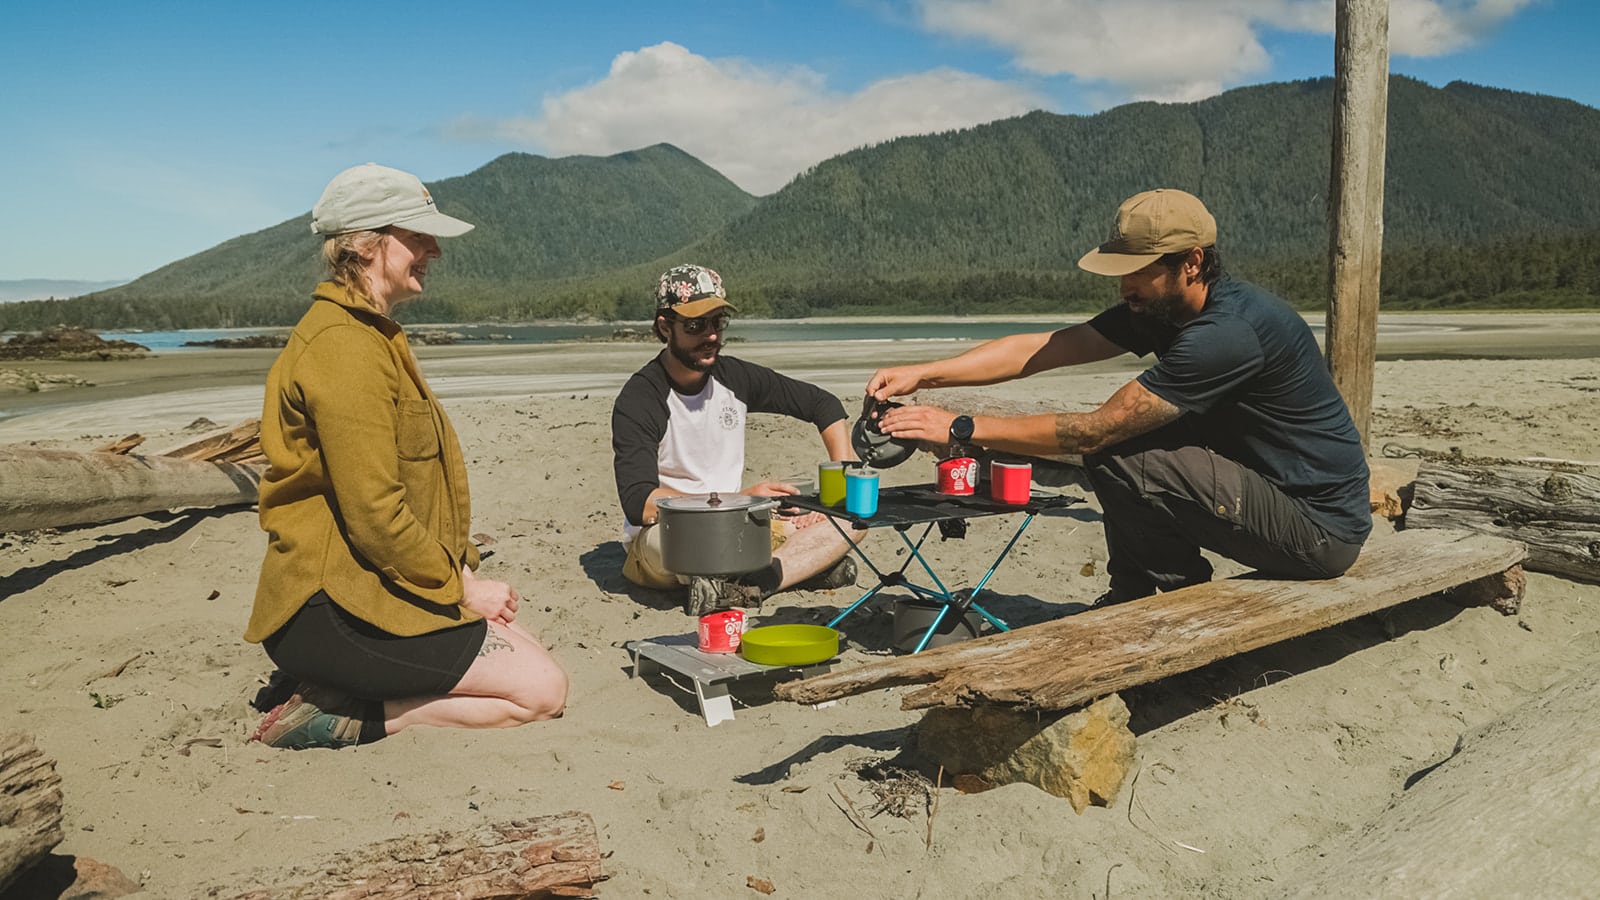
(327, 646)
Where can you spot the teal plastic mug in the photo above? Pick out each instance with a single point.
(861, 493)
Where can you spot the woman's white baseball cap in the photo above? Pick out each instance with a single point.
(369, 197)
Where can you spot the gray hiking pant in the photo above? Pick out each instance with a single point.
(1165, 498)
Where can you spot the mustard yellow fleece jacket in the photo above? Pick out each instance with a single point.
(365, 494)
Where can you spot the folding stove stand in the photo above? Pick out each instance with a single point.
(901, 508)
(711, 673)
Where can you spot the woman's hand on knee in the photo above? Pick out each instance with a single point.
(494, 600)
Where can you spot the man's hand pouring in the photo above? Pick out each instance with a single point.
(887, 384)
(920, 423)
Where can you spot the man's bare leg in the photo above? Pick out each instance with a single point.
(810, 551)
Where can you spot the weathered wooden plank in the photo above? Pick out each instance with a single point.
(1555, 511)
(55, 488)
(30, 806)
(1069, 661)
(545, 856)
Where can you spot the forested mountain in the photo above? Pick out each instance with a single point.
(1029, 195)
(1492, 199)
(538, 220)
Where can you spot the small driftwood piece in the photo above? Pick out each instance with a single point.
(240, 444)
(546, 856)
(30, 806)
(56, 488)
(1554, 510)
(1070, 661)
(122, 445)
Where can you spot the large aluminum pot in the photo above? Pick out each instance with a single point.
(711, 534)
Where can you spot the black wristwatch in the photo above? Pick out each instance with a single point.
(961, 430)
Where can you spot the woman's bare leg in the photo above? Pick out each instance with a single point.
(513, 681)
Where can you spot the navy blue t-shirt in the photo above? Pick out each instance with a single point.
(1248, 373)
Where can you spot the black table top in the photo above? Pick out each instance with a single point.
(916, 504)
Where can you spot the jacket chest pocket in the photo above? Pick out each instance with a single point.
(416, 434)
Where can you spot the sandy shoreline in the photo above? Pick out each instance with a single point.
(173, 389)
(1249, 769)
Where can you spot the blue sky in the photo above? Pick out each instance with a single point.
(136, 134)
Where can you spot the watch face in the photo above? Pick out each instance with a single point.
(961, 428)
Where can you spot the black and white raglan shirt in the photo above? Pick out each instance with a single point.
(695, 444)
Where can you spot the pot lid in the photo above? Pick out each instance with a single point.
(714, 502)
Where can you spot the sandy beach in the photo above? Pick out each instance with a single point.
(120, 652)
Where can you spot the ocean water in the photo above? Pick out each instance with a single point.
(741, 330)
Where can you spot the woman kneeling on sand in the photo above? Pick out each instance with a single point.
(367, 595)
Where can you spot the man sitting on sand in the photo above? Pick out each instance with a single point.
(677, 428)
(1235, 441)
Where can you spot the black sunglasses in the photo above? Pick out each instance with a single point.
(693, 327)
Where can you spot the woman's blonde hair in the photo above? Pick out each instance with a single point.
(346, 257)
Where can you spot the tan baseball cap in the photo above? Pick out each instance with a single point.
(1149, 226)
(369, 197)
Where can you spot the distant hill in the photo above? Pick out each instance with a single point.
(1466, 165)
(538, 220)
(45, 288)
(1493, 198)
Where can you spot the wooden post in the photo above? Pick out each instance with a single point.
(1355, 252)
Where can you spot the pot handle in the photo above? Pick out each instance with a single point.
(761, 515)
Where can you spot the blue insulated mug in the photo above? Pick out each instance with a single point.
(861, 492)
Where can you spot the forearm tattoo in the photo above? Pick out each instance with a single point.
(1128, 414)
(493, 642)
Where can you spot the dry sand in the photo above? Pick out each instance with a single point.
(1248, 769)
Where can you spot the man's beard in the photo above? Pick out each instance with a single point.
(688, 359)
(1163, 310)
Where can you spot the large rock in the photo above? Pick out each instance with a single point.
(1083, 755)
(67, 342)
(23, 381)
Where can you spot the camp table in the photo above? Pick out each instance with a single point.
(905, 506)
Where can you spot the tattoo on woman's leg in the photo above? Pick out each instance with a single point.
(493, 642)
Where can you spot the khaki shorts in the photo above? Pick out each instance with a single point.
(643, 565)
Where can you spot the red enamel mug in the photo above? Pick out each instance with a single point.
(958, 476)
(720, 631)
(1010, 482)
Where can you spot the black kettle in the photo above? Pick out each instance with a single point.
(876, 449)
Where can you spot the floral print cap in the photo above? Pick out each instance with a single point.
(691, 291)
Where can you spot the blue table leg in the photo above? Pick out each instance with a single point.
(942, 594)
(972, 598)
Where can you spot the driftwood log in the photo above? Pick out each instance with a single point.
(1070, 661)
(1554, 510)
(56, 488)
(30, 806)
(546, 856)
(1510, 814)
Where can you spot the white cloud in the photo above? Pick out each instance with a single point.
(1437, 27)
(1187, 49)
(759, 126)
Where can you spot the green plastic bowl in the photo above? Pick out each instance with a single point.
(789, 645)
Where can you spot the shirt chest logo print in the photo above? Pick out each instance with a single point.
(729, 418)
